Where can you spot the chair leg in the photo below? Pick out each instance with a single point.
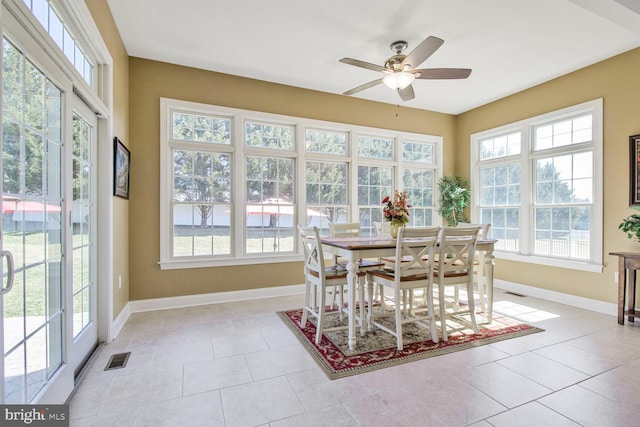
(340, 290)
(381, 295)
(409, 311)
(313, 296)
(432, 322)
(305, 310)
(371, 296)
(361, 303)
(472, 305)
(456, 297)
(443, 312)
(398, 311)
(333, 296)
(404, 301)
(321, 310)
(481, 285)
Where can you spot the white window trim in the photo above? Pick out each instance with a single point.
(77, 16)
(239, 151)
(526, 154)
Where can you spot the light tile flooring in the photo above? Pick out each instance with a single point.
(236, 364)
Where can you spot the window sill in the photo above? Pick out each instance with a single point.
(551, 262)
(227, 262)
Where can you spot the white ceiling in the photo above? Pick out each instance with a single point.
(511, 45)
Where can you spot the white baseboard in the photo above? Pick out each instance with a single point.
(138, 306)
(572, 300)
(120, 321)
(153, 304)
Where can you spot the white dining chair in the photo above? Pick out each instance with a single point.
(412, 270)
(382, 228)
(478, 265)
(319, 277)
(349, 229)
(454, 267)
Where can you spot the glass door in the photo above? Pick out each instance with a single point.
(32, 226)
(83, 248)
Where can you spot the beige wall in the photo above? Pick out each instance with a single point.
(120, 124)
(150, 80)
(616, 81)
(140, 83)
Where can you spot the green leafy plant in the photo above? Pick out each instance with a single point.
(455, 195)
(631, 226)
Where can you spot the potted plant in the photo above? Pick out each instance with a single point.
(455, 195)
(631, 226)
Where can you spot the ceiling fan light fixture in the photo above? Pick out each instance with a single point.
(398, 80)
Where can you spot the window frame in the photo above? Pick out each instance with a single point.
(239, 151)
(342, 158)
(526, 159)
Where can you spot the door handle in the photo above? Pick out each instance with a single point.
(10, 272)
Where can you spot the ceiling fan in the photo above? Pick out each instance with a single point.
(400, 69)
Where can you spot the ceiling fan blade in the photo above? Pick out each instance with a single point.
(407, 93)
(422, 51)
(363, 64)
(363, 87)
(442, 73)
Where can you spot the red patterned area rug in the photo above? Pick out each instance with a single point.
(377, 349)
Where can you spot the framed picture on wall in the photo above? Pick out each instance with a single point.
(634, 169)
(121, 162)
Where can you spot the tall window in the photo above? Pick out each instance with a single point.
(374, 183)
(540, 186)
(419, 181)
(326, 177)
(563, 202)
(202, 166)
(235, 184)
(499, 197)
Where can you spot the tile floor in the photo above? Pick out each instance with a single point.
(236, 364)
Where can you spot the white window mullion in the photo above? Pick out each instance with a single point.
(300, 190)
(526, 194)
(238, 217)
(398, 168)
(353, 177)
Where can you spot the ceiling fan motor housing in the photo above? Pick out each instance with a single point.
(394, 63)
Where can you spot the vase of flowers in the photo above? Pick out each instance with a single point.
(396, 211)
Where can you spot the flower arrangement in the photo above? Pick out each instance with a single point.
(396, 210)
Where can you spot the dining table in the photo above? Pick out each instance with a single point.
(356, 248)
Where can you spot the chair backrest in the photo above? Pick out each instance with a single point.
(414, 251)
(347, 229)
(313, 255)
(382, 228)
(456, 250)
(483, 233)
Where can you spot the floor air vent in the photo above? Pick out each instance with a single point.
(515, 294)
(118, 361)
